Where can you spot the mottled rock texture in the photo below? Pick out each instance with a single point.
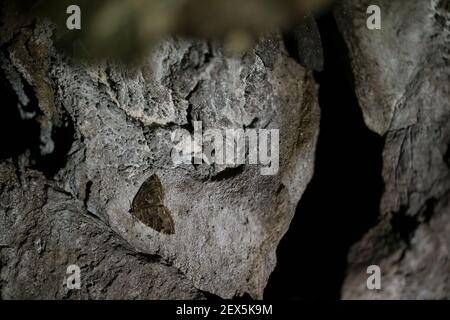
(118, 120)
(83, 137)
(402, 76)
(45, 229)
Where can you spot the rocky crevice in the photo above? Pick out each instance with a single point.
(375, 198)
(341, 202)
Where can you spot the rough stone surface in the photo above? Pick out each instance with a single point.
(228, 221)
(44, 229)
(95, 132)
(402, 75)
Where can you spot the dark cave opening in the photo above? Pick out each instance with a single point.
(63, 137)
(341, 203)
(19, 134)
(16, 134)
(447, 155)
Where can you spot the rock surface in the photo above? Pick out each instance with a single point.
(82, 138)
(402, 74)
(228, 221)
(44, 229)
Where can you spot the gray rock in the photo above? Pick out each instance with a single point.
(44, 229)
(307, 43)
(228, 220)
(401, 75)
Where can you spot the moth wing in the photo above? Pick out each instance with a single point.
(148, 206)
(168, 226)
(150, 193)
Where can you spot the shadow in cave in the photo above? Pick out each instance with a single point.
(16, 135)
(19, 134)
(341, 203)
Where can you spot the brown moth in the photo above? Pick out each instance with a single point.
(148, 206)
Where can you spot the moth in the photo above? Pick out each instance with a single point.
(148, 206)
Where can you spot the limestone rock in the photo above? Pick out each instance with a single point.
(402, 74)
(43, 230)
(227, 220)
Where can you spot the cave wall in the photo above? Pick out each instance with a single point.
(80, 139)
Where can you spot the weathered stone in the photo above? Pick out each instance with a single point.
(402, 74)
(228, 221)
(43, 230)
